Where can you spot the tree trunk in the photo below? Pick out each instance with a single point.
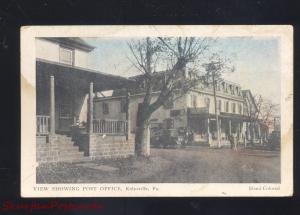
(142, 135)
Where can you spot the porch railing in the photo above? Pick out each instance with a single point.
(112, 127)
(42, 125)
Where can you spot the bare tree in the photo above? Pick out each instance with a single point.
(174, 56)
(266, 110)
(263, 113)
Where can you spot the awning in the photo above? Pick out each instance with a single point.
(233, 116)
(202, 113)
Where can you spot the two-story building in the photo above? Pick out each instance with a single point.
(195, 110)
(66, 87)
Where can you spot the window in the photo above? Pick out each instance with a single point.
(66, 56)
(233, 107)
(207, 102)
(143, 84)
(240, 109)
(169, 123)
(194, 100)
(226, 88)
(223, 86)
(123, 106)
(245, 111)
(65, 110)
(174, 113)
(105, 108)
(220, 105)
(227, 107)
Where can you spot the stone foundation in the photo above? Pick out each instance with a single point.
(46, 153)
(110, 146)
(93, 146)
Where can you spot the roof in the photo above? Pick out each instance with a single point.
(80, 77)
(247, 93)
(73, 42)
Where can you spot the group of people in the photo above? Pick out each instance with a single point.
(188, 137)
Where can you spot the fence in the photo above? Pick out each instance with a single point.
(42, 125)
(113, 127)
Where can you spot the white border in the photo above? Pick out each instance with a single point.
(28, 104)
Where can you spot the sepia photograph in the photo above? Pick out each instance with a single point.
(150, 112)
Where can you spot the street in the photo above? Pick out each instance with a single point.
(189, 165)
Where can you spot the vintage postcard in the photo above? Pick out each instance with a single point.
(156, 111)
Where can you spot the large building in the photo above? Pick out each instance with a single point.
(195, 110)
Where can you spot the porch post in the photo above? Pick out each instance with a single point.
(220, 125)
(128, 116)
(52, 105)
(90, 110)
(229, 121)
(259, 134)
(241, 131)
(208, 132)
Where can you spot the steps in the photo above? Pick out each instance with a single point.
(62, 149)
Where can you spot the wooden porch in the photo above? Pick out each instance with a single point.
(100, 126)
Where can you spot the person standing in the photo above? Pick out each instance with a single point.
(235, 141)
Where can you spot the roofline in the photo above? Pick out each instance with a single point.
(72, 43)
(163, 72)
(252, 98)
(84, 69)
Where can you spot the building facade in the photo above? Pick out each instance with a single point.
(66, 87)
(196, 110)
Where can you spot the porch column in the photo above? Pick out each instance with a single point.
(220, 125)
(208, 132)
(241, 131)
(229, 121)
(52, 105)
(128, 116)
(248, 131)
(259, 134)
(90, 110)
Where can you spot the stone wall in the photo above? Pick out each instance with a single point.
(94, 146)
(110, 146)
(46, 152)
(41, 140)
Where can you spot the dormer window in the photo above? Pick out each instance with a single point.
(230, 89)
(226, 88)
(66, 56)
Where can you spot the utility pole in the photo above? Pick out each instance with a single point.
(212, 68)
(216, 108)
(216, 68)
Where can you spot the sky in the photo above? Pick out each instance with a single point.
(256, 61)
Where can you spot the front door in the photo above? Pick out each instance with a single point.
(65, 116)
